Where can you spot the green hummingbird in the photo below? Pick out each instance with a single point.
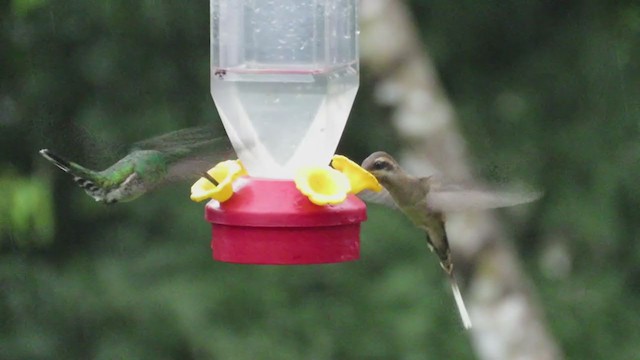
(178, 155)
(425, 201)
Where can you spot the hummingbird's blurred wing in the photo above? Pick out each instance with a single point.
(189, 162)
(193, 136)
(456, 198)
(381, 197)
(190, 152)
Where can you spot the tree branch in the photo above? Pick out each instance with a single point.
(507, 318)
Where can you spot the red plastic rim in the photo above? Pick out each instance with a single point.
(270, 222)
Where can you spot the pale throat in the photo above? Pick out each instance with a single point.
(404, 189)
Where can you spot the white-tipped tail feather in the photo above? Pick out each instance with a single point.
(466, 321)
(56, 160)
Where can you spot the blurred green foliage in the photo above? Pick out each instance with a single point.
(26, 210)
(545, 91)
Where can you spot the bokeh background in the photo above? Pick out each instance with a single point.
(544, 91)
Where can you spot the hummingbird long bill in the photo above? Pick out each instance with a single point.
(425, 201)
(183, 154)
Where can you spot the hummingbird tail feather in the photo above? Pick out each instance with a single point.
(86, 184)
(466, 320)
(85, 178)
(56, 160)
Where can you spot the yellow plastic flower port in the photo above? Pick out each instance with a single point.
(224, 174)
(322, 185)
(359, 178)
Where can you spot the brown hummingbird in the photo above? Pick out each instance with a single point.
(426, 200)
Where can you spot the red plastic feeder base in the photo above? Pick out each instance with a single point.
(270, 222)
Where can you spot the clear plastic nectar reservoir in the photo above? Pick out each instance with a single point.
(284, 74)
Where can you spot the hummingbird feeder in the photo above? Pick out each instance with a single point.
(284, 74)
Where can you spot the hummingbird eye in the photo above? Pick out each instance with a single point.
(380, 165)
